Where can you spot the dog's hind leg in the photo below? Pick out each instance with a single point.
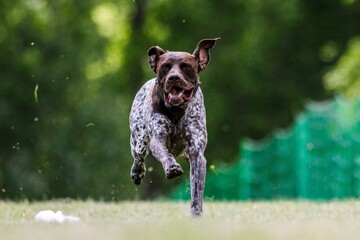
(160, 129)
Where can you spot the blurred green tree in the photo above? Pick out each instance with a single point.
(344, 77)
(70, 69)
(63, 125)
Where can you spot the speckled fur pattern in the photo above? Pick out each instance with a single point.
(160, 124)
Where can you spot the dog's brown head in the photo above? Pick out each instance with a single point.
(178, 72)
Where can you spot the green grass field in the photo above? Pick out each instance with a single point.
(171, 220)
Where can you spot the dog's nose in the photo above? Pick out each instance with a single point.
(174, 77)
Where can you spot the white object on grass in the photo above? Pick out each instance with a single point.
(50, 216)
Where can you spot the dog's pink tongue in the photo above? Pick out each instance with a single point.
(175, 98)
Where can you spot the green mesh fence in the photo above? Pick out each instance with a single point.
(317, 158)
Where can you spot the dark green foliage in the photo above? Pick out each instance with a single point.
(69, 71)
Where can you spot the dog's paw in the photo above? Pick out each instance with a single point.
(138, 172)
(173, 171)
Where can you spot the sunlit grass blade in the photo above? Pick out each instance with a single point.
(36, 93)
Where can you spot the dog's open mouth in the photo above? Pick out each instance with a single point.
(178, 95)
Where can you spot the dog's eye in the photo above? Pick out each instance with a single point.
(185, 67)
(165, 67)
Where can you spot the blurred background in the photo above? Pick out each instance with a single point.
(70, 69)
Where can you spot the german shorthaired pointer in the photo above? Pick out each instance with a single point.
(168, 117)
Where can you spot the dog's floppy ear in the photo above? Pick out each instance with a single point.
(202, 52)
(154, 53)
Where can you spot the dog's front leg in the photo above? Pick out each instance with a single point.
(197, 182)
(196, 141)
(160, 128)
